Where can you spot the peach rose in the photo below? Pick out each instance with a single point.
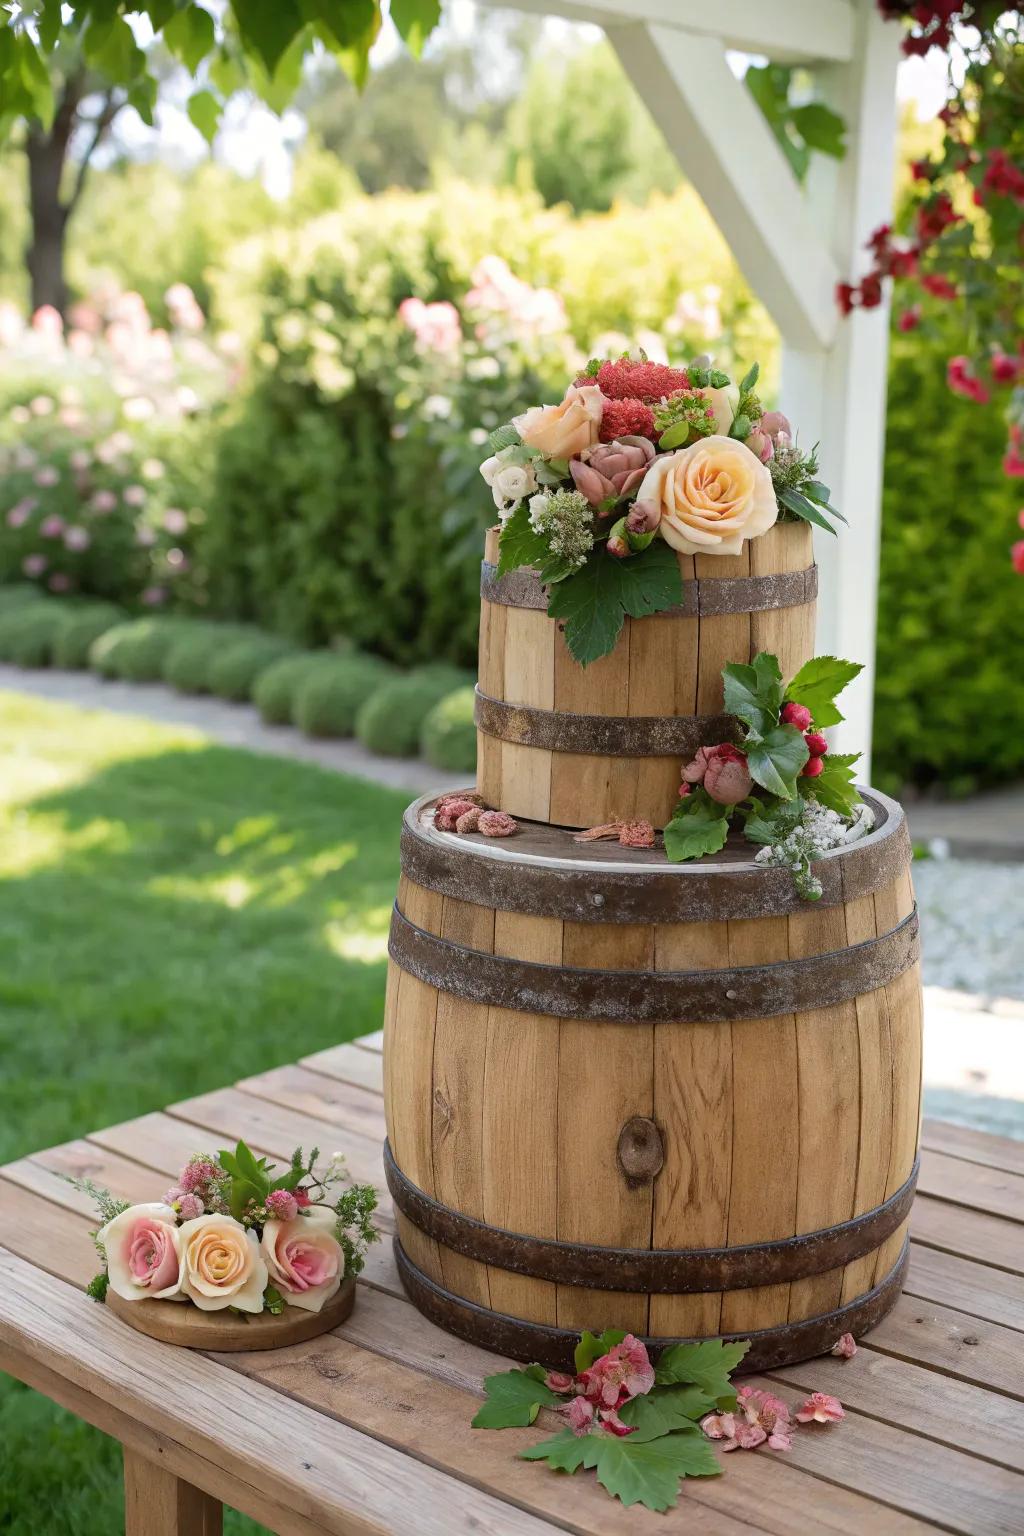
(221, 1264)
(712, 496)
(560, 431)
(304, 1258)
(142, 1249)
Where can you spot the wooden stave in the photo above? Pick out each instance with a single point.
(523, 662)
(543, 1301)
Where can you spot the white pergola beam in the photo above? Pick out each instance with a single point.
(715, 128)
(792, 31)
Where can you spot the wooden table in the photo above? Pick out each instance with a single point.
(367, 1429)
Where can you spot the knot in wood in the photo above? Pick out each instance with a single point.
(640, 1151)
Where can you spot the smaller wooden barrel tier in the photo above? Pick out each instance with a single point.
(576, 746)
(669, 1098)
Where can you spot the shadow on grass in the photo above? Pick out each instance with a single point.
(178, 921)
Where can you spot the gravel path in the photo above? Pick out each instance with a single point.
(972, 925)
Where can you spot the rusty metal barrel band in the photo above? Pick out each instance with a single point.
(666, 1271)
(553, 1347)
(706, 597)
(654, 997)
(547, 878)
(556, 730)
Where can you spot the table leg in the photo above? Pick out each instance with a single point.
(156, 1503)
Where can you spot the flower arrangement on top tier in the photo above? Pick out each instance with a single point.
(231, 1235)
(793, 797)
(638, 461)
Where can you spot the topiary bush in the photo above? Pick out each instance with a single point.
(16, 594)
(136, 651)
(949, 678)
(198, 644)
(448, 734)
(82, 626)
(276, 690)
(29, 640)
(11, 622)
(331, 696)
(235, 669)
(392, 718)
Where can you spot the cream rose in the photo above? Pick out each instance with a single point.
(712, 496)
(560, 431)
(143, 1252)
(304, 1258)
(221, 1264)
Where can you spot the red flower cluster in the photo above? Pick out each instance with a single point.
(626, 418)
(596, 1395)
(1002, 177)
(626, 380)
(933, 24)
(962, 381)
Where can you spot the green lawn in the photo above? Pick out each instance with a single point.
(173, 915)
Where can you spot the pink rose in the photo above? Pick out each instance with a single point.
(723, 771)
(142, 1246)
(562, 431)
(612, 469)
(304, 1258)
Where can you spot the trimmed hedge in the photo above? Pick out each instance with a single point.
(448, 736)
(234, 670)
(136, 651)
(16, 594)
(81, 627)
(29, 632)
(275, 692)
(391, 719)
(330, 697)
(200, 644)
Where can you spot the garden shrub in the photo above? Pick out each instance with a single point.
(198, 645)
(949, 683)
(236, 668)
(448, 735)
(29, 641)
(276, 690)
(391, 719)
(82, 625)
(330, 697)
(135, 651)
(16, 593)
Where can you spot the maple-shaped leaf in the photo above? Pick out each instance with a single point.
(698, 826)
(520, 543)
(707, 1365)
(664, 1409)
(647, 1472)
(817, 684)
(514, 1398)
(564, 1452)
(594, 601)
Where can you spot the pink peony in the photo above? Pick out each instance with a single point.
(643, 517)
(723, 772)
(612, 469)
(761, 445)
(282, 1205)
(624, 1372)
(820, 1409)
(845, 1347)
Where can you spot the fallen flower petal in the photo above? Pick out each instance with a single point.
(846, 1347)
(580, 1414)
(719, 1426)
(613, 1424)
(593, 834)
(558, 1381)
(820, 1408)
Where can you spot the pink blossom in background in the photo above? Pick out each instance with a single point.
(52, 527)
(145, 537)
(152, 469)
(175, 521)
(820, 1408)
(436, 327)
(80, 344)
(183, 308)
(22, 510)
(76, 538)
(48, 476)
(497, 290)
(47, 323)
(20, 415)
(11, 324)
(34, 565)
(84, 316)
(696, 312)
(154, 597)
(138, 408)
(58, 582)
(103, 501)
(177, 560)
(42, 405)
(135, 495)
(80, 460)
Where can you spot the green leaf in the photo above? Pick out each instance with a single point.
(190, 36)
(226, 73)
(593, 1345)
(343, 26)
(35, 78)
(801, 506)
(142, 96)
(98, 1285)
(707, 1365)
(775, 761)
(564, 1452)
(674, 436)
(820, 128)
(159, 12)
(834, 785)
(648, 1471)
(753, 692)
(594, 601)
(817, 684)
(267, 27)
(773, 824)
(415, 20)
(514, 1398)
(698, 826)
(520, 543)
(110, 47)
(204, 112)
(504, 437)
(741, 427)
(719, 380)
(49, 23)
(665, 1409)
(750, 378)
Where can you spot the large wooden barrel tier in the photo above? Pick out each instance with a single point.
(669, 1098)
(577, 746)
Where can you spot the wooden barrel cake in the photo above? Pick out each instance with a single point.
(669, 1098)
(576, 746)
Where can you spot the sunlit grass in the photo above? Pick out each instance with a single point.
(173, 916)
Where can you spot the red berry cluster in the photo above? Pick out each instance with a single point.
(627, 380)
(626, 418)
(800, 716)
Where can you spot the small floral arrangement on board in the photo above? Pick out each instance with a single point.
(641, 1427)
(792, 795)
(639, 461)
(231, 1235)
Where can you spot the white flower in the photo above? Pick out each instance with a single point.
(490, 467)
(512, 483)
(539, 505)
